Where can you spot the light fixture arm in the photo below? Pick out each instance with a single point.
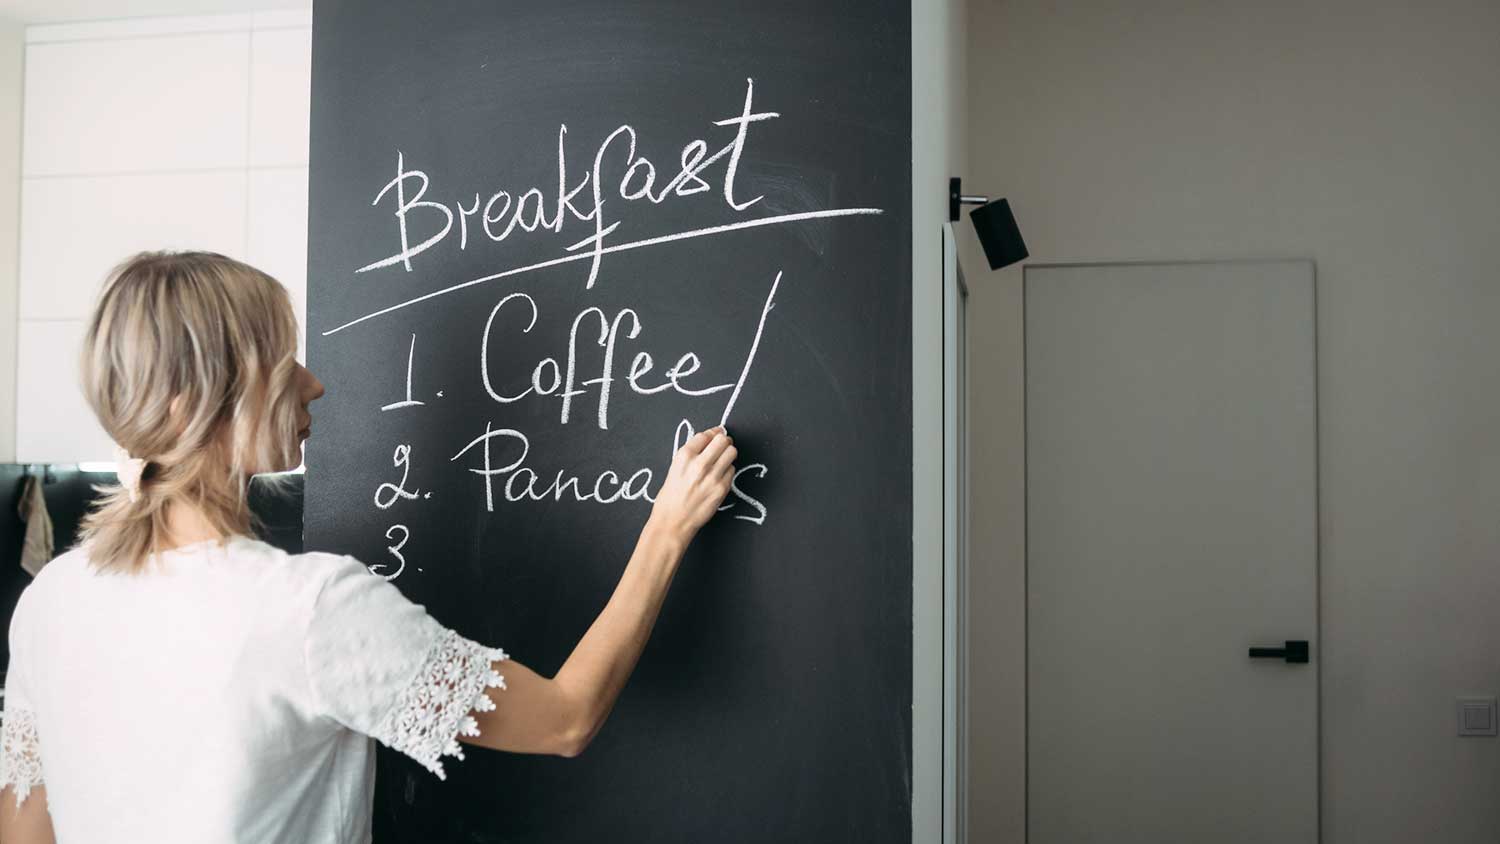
(957, 198)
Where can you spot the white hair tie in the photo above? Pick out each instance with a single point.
(129, 470)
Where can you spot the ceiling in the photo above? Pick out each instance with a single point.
(52, 11)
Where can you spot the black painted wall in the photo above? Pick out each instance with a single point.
(774, 700)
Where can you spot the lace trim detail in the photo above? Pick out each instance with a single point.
(433, 711)
(20, 753)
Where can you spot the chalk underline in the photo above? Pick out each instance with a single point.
(620, 247)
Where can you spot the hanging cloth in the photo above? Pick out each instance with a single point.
(36, 550)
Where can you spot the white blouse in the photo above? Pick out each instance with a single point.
(229, 695)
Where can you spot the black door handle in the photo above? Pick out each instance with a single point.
(1295, 652)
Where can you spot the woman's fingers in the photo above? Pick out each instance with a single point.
(698, 441)
(726, 459)
(705, 471)
(711, 452)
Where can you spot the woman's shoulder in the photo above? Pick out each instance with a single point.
(312, 569)
(54, 579)
(238, 572)
(259, 568)
(65, 566)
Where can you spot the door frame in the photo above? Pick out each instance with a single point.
(955, 544)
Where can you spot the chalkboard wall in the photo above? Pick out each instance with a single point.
(546, 241)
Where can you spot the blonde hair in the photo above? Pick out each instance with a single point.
(189, 363)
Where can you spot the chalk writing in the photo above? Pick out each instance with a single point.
(528, 208)
(585, 366)
(754, 347)
(388, 493)
(408, 401)
(550, 378)
(395, 551)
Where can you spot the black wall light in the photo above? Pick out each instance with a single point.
(993, 222)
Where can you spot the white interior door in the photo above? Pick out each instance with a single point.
(1172, 525)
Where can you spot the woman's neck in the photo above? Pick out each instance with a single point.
(186, 525)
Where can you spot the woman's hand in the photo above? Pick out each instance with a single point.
(696, 484)
(561, 715)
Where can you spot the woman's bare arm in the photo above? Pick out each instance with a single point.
(29, 823)
(561, 716)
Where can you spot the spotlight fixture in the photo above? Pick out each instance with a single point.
(993, 222)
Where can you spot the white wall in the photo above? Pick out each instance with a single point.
(182, 133)
(937, 152)
(57, 11)
(1365, 135)
(12, 48)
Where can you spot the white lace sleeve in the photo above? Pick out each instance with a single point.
(433, 710)
(379, 664)
(20, 752)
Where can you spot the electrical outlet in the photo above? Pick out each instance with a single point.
(1476, 716)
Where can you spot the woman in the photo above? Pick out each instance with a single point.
(173, 679)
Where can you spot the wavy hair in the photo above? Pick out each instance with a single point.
(189, 363)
